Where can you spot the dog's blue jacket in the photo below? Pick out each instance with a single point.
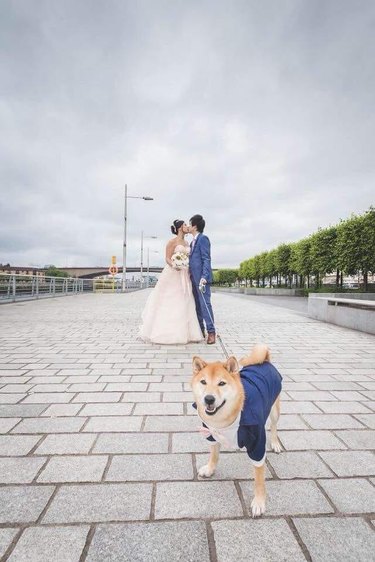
(262, 385)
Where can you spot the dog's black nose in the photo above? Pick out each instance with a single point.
(209, 399)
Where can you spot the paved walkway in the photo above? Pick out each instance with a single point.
(99, 449)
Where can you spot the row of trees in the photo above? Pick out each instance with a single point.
(347, 248)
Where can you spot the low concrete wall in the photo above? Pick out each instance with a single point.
(361, 296)
(349, 316)
(274, 292)
(259, 291)
(236, 290)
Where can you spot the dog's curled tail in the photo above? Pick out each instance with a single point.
(259, 354)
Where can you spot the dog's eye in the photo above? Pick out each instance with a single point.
(203, 381)
(222, 383)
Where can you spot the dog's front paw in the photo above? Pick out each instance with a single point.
(205, 471)
(276, 446)
(258, 507)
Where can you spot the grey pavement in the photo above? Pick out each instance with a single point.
(99, 447)
(298, 304)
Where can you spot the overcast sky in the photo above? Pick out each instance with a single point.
(257, 114)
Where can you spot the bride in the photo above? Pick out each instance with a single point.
(169, 316)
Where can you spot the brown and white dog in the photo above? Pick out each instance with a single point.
(234, 406)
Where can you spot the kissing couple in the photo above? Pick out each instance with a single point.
(178, 310)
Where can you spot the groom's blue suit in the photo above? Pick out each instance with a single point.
(200, 267)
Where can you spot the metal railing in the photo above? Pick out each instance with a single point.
(15, 287)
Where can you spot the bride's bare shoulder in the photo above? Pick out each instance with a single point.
(171, 243)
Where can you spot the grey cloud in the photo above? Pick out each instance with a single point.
(259, 115)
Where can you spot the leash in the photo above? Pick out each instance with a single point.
(201, 291)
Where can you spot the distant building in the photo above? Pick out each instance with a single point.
(349, 281)
(22, 270)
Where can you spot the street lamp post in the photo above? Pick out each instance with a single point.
(142, 237)
(148, 265)
(125, 229)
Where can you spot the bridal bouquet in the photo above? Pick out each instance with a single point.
(180, 260)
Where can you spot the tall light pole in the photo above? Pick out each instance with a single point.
(148, 265)
(125, 225)
(142, 237)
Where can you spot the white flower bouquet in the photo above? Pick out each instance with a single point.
(180, 260)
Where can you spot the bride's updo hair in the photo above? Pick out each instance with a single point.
(176, 226)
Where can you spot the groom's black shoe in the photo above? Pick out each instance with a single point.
(211, 338)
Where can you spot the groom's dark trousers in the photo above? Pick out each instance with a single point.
(200, 267)
(202, 303)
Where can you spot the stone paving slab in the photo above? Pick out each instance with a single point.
(307, 440)
(99, 503)
(97, 431)
(104, 409)
(127, 443)
(334, 539)
(150, 542)
(68, 444)
(188, 443)
(368, 420)
(331, 421)
(61, 410)
(23, 504)
(291, 497)
(252, 541)
(7, 424)
(21, 410)
(74, 469)
(232, 466)
(17, 445)
(358, 439)
(350, 463)
(49, 425)
(143, 468)
(44, 544)
(351, 495)
(179, 500)
(110, 424)
(6, 538)
(20, 470)
(344, 407)
(306, 464)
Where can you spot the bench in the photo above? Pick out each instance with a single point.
(357, 314)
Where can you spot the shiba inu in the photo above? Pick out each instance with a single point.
(233, 401)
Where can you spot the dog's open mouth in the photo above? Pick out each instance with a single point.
(211, 409)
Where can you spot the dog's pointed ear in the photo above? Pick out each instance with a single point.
(198, 364)
(232, 365)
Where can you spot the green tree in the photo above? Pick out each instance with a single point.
(257, 268)
(215, 276)
(271, 265)
(227, 276)
(52, 271)
(356, 244)
(263, 267)
(242, 272)
(250, 270)
(293, 265)
(282, 258)
(367, 243)
(302, 260)
(323, 252)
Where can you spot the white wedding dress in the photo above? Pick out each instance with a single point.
(169, 316)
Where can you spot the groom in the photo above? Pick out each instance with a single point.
(201, 275)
